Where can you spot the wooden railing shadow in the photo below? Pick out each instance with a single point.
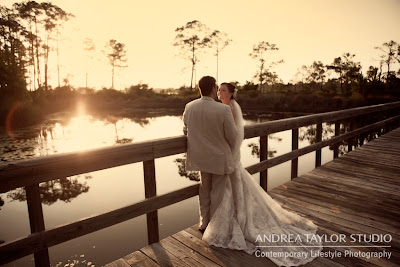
(30, 173)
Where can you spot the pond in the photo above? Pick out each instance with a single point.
(73, 198)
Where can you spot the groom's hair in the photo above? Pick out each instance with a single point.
(206, 84)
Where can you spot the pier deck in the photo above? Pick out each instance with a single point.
(357, 193)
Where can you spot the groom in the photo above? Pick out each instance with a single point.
(211, 134)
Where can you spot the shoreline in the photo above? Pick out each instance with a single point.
(30, 113)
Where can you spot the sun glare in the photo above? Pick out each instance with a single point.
(80, 108)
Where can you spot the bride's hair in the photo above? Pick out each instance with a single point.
(231, 89)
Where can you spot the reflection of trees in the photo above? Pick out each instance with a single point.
(181, 162)
(309, 133)
(255, 150)
(141, 120)
(124, 140)
(64, 189)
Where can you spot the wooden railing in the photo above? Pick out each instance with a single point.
(29, 173)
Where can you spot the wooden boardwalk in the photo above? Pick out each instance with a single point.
(358, 193)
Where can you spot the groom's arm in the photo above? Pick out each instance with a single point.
(230, 130)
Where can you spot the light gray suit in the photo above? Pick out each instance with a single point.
(212, 134)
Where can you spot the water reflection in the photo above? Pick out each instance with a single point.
(255, 147)
(191, 175)
(64, 189)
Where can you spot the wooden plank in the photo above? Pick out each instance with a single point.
(201, 247)
(347, 188)
(162, 256)
(318, 139)
(118, 263)
(335, 199)
(137, 258)
(342, 212)
(264, 156)
(186, 254)
(150, 190)
(36, 221)
(346, 200)
(232, 257)
(344, 228)
(22, 247)
(338, 207)
(295, 146)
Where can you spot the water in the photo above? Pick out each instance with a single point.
(73, 198)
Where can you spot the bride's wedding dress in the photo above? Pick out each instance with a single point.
(249, 219)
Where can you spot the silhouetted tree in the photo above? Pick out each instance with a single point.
(338, 67)
(317, 73)
(30, 11)
(89, 47)
(192, 38)
(42, 19)
(116, 54)
(54, 16)
(218, 40)
(348, 70)
(372, 74)
(390, 55)
(260, 53)
(249, 86)
(12, 55)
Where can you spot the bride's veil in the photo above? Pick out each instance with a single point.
(240, 127)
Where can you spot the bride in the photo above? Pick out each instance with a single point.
(248, 219)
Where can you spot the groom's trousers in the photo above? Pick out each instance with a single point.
(210, 195)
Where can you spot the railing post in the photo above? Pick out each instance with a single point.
(336, 146)
(264, 156)
(295, 146)
(362, 136)
(350, 141)
(318, 139)
(36, 221)
(150, 190)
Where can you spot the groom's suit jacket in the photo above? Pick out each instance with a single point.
(211, 134)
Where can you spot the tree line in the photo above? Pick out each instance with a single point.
(195, 37)
(30, 31)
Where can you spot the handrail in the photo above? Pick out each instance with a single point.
(266, 128)
(30, 173)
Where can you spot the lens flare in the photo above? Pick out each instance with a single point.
(9, 118)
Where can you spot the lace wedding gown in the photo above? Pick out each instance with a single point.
(247, 214)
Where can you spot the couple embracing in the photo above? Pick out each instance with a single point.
(235, 212)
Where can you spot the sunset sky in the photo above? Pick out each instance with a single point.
(304, 31)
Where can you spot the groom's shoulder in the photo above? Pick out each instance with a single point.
(192, 103)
